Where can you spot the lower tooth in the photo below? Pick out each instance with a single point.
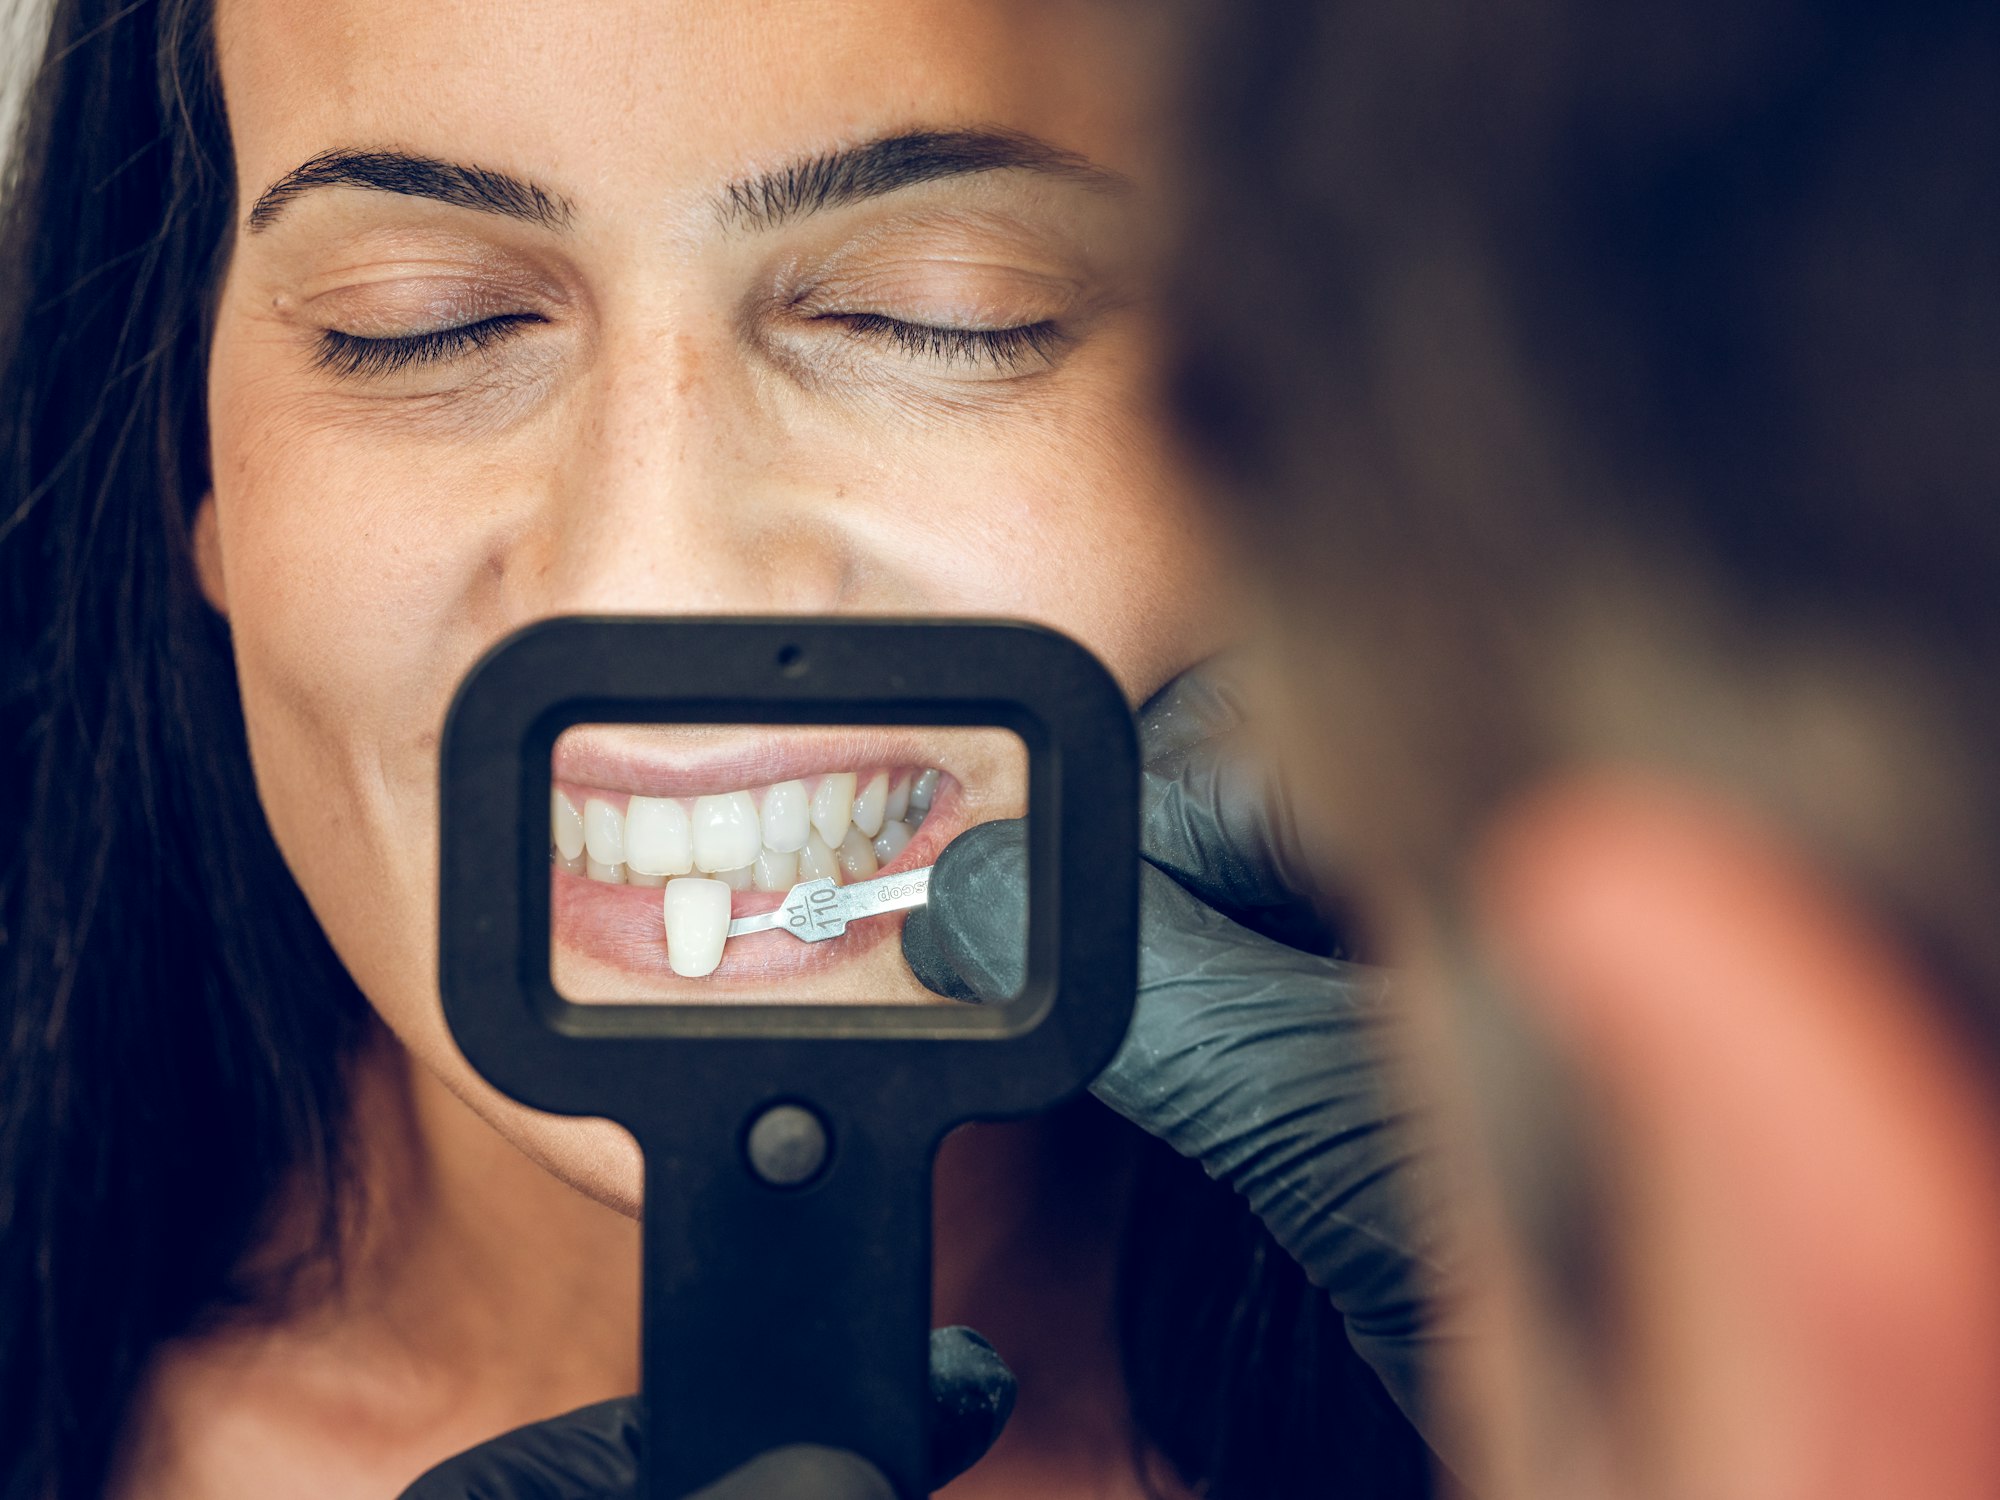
(774, 871)
(922, 791)
(857, 856)
(571, 863)
(742, 878)
(892, 841)
(640, 877)
(817, 861)
(609, 874)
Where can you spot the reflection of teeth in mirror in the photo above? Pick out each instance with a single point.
(740, 838)
(869, 805)
(727, 835)
(787, 817)
(892, 841)
(833, 806)
(776, 870)
(696, 912)
(603, 832)
(856, 855)
(658, 838)
(816, 861)
(566, 830)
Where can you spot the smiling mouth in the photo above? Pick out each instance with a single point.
(648, 882)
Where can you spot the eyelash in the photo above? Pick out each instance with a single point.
(348, 354)
(351, 355)
(1002, 348)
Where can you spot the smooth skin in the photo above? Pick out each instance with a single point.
(678, 412)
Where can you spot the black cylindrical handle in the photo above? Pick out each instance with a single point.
(778, 1315)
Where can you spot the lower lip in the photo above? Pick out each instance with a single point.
(622, 927)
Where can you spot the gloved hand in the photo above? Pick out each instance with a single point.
(1265, 1061)
(593, 1453)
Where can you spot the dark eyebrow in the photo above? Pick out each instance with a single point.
(899, 161)
(418, 177)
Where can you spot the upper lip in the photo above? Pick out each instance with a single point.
(696, 760)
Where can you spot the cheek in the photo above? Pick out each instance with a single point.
(350, 565)
(1083, 523)
(356, 575)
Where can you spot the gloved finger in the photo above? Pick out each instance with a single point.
(593, 1453)
(1282, 1074)
(801, 1472)
(1204, 701)
(587, 1454)
(1251, 1057)
(1214, 816)
(971, 941)
(1269, 1066)
(972, 1396)
(1211, 817)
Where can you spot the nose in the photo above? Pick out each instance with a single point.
(681, 493)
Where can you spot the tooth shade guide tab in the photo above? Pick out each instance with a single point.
(816, 910)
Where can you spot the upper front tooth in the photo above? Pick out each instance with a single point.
(603, 831)
(833, 806)
(727, 835)
(658, 840)
(899, 799)
(697, 922)
(869, 805)
(923, 791)
(787, 817)
(567, 827)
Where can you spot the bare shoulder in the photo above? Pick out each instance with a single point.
(268, 1411)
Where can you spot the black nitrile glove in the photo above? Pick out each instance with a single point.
(593, 1453)
(1264, 1062)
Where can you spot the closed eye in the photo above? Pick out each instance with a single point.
(350, 354)
(1016, 348)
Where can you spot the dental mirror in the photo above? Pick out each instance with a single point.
(739, 863)
(788, 1113)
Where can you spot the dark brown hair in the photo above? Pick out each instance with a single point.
(175, 1021)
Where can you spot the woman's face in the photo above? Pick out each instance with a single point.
(644, 307)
